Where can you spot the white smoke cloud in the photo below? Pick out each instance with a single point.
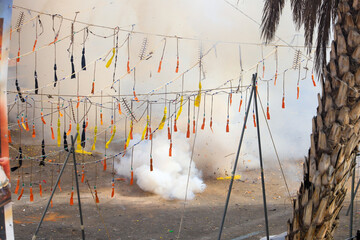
(169, 176)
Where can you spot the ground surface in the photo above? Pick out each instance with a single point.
(135, 214)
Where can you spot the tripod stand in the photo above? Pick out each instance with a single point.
(71, 152)
(253, 94)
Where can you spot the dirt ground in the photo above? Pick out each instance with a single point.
(135, 214)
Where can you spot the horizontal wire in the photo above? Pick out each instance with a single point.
(162, 35)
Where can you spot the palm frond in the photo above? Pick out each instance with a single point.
(323, 36)
(311, 9)
(271, 18)
(297, 10)
(313, 15)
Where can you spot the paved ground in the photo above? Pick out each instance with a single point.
(134, 214)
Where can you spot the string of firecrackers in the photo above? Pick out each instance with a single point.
(85, 163)
(192, 66)
(63, 108)
(102, 160)
(283, 74)
(107, 86)
(114, 96)
(158, 34)
(91, 63)
(227, 81)
(56, 152)
(117, 95)
(36, 49)
(134, 67)
(109, 127)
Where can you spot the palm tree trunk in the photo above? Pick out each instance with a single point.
(335, 134)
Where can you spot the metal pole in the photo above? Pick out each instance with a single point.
(77, 189)
(260, 156)
(235, 165)
(352, 199)
(54, 188)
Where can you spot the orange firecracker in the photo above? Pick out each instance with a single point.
(298, 92)
(112, 189)
(52, 133)
(69, 131)
(33, 132)
(170, 150)
(150, 136)
(40, 189)
(131, 132)
(93, 88)
(104, 164)
(159, 69)
(132, 178)
(169, 133)
(27, 125)
(34, 45)
(177, 66)
(188, 131)
(9, 137)
(135, 97)
(82, 174)
(17, 186)
(18, 58)
(254, 119)
(283, 102)
(58, 107)
(42, 118)
(72, 198)
(21, 193)
(31, 194)
(59, 186)
(175, 126)
(119, 108)
(203, 124)
(313, 80)
(96, 197)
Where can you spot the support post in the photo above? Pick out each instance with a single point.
(356, 189)
(72, 150)
(77, 189)
(260, 156)
(352, 198)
